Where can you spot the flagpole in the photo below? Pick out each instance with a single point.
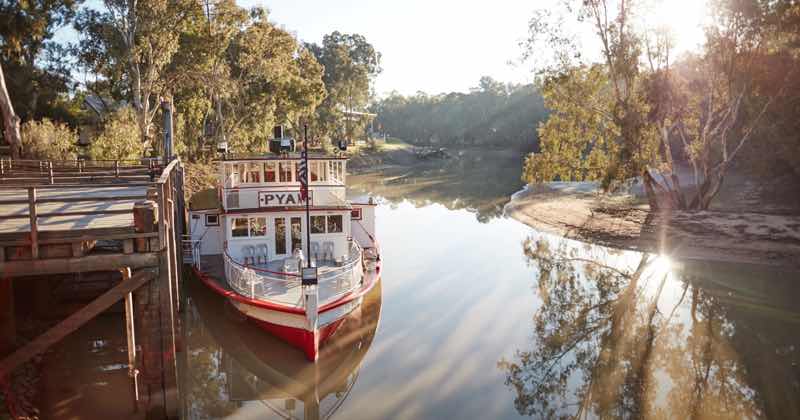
(308, 196)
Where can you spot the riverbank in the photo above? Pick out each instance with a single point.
(733, 234)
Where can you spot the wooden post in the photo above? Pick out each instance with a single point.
(8, 330)
(34, 223)
(116, 168)
(144, 221)
(166, 304)
(52, 180)
(131, 336)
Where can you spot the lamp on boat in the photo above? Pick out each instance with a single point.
(279, 143)
(222, 148)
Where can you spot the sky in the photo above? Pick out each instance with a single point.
(439, 46)
(427, 45)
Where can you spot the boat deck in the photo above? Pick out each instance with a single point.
(284, 292)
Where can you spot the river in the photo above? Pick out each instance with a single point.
(479, 316)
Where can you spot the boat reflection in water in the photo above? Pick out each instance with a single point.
(236, 370)
(627, 335)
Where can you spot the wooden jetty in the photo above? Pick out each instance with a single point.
(111, 216)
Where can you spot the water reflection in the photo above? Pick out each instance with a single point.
(631, 335)
(237, 371)
(481, 184)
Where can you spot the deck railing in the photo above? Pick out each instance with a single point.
(284, 287)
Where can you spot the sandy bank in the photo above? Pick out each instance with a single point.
(578, 211)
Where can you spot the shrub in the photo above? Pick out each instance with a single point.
(119, 139)
(48, 140)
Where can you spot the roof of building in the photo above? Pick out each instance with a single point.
(207, 199)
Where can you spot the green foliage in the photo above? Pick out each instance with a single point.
(239, 76)
(350, 64)
(119, 139)
(582, 138)
(35, 67)
(491, 114)
(48, 140)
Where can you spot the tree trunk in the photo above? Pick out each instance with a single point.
(10, 120)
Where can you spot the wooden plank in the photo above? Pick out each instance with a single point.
(33, 223)
(85, 186)
(67, 213)
(73, 322)
(102, 262)
(130, 334)
(86, 238)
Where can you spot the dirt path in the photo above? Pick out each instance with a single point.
(620, 222)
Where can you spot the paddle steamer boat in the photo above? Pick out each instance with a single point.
(254, 237)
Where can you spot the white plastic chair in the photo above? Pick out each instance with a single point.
(249, 254)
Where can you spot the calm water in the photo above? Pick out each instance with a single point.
(479, 316)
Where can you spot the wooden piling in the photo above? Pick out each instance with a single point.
(8, 329)
(34, 223)
(130, 334)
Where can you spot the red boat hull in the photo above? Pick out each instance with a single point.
(307, 341)
(290, 329)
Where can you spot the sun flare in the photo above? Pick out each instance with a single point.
(683, 19)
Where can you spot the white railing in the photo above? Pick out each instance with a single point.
(191, 251)
(285, 288)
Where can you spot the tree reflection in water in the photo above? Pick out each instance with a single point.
(629, 336)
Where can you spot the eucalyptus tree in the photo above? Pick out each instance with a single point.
(618, 117)
(350, 64)
(129, 45)
(35, 76)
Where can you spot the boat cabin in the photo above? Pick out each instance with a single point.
(257, 216)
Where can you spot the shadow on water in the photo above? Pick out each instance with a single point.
(236, 370)
(636, 336)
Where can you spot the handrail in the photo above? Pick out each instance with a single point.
(167, 171)
(245, 279)
(260, 270)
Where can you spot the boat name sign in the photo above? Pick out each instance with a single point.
(282, 198)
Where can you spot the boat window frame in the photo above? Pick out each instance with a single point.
(328, 223)
(215, 222)
(273, 171)
(233, 228)
(324, 224)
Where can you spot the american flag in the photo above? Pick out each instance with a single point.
(302, 175)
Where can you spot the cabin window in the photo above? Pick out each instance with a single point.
(285, 171)
(297, 233)
(355, 214)
(254, 172)
(270, 172)
(241, 171)
(317, 224)
(335, 224)
(212, 220)
(230, 174)
(336, 172)
(280, 236)
(319, 171)
(258, 226)
(239, 227)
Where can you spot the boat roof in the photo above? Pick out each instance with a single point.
(207, 199)
(290, 156)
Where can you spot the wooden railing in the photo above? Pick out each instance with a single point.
(153, 182)
(29, 172)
